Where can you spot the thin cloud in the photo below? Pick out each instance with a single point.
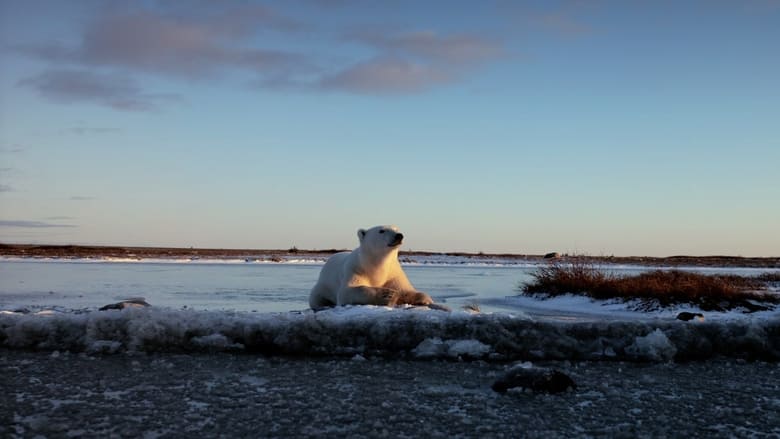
(86, 130)
(386, 76)
(81, 198)
(563, 24)
(115, 91)
(5, 187)
(456, 49)
(412, 62)
(24, 224)
(14, 149)
(196, 45)
(566, 18)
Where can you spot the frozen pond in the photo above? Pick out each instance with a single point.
(221, 286)
(263, 287)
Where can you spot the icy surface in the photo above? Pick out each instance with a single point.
(392, 332)
(281, 287)
(227, 395)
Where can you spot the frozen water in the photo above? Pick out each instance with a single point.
(275, 287)
(258, 287)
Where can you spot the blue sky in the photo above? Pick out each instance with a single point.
(598, 127)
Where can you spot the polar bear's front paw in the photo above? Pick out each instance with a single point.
(420, 299)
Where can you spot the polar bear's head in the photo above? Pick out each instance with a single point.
(380, 238)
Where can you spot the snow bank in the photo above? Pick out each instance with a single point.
(381, 331)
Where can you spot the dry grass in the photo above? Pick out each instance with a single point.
(769, 277)
(654, 289)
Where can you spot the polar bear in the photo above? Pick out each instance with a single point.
(368, 275)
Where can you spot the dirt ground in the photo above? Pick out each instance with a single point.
(45, 394)
(81, 251)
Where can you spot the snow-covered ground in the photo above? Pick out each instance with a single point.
(570, 307)
(311, 259)
(53, 306)
(393, 332)
(362, 371)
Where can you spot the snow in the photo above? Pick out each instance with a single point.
(434, 260)
(437, 348)
(407, 332)
(578, 307)
(441, 260)
(654, 346)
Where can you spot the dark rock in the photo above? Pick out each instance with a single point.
(686, 316)
(553, 255)
(137, 302)
(537, 379)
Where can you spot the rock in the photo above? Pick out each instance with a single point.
(553, 255)
(686, 316)
(136, 302)
(537, 379)
(437, 307)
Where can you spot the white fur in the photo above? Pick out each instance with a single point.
(368, 275)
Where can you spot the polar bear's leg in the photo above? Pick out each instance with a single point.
(318, 299)
(410, 298)
(363, 295)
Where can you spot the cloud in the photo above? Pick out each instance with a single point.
(563, 24)
(566, 18)
(196, 44)
(14, 149)
(454, 50)
(202, 40)
(412, 62)
(115, 91)
(386, 76)
(32, 224)
(5, 187)
(85, 130)
(81, 198)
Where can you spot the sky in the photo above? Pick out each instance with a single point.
(592, 127)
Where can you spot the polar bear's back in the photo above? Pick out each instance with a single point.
(326, 289)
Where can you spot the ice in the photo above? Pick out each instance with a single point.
(368, 331)
(104, 347)
(654, 346)
(314, 259)
(216, 341)
(437, 348)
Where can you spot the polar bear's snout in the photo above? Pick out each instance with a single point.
(397, 240)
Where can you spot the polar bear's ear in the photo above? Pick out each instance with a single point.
(361, 234)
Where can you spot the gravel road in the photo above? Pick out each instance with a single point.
(224, 395)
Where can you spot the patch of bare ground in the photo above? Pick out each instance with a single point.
(657, 288)
(89, 251)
